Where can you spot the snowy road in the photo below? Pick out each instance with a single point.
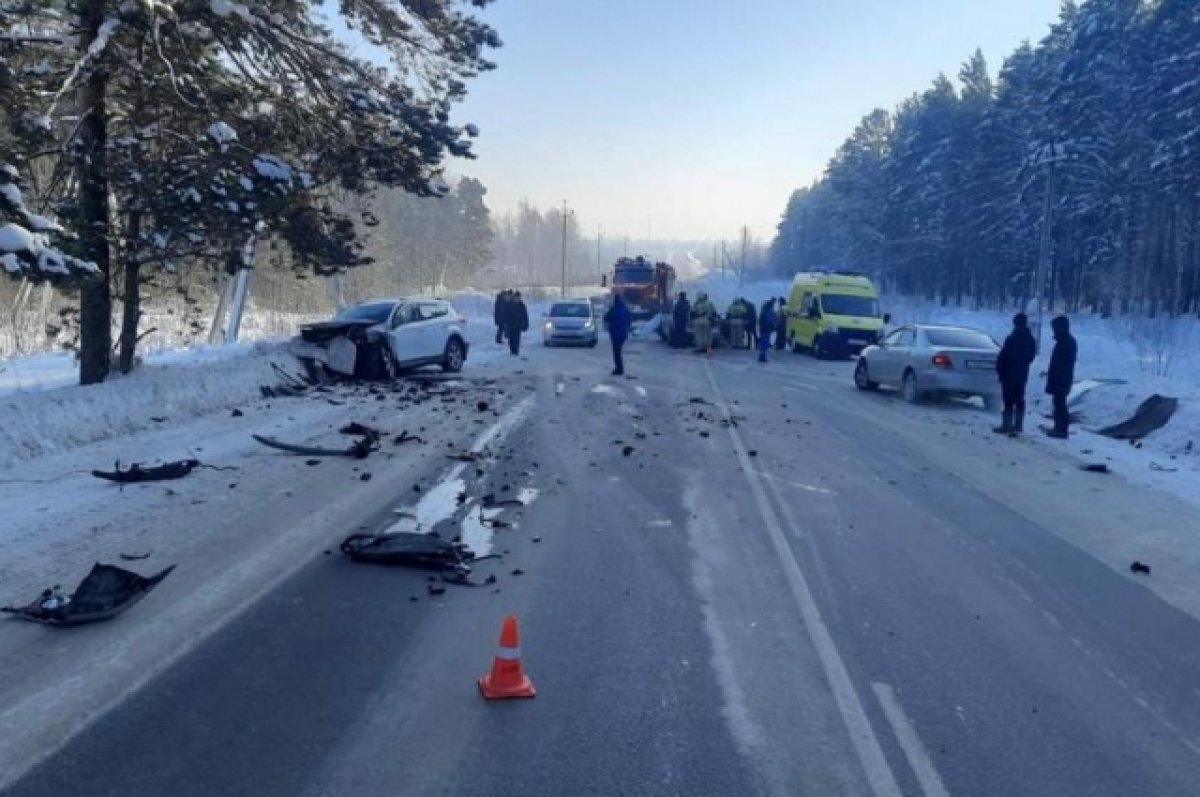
(836, 594)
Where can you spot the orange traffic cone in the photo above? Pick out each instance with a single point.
(507, 678)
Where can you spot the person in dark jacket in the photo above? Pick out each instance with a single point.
(766, 325)
(781, 324)
(1012, 366)
(751, 322)
(680, 317)
(618, 320)
(1061, 375)
(498, 311)
(516, 321)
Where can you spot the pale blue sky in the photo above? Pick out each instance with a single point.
(701, 115)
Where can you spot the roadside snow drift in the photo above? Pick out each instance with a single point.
(42, 422)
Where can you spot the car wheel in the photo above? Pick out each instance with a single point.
(593, 344)
(862, 379)
(817, 349)
(452, 360)
(912, 393)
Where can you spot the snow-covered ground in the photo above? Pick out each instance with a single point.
(1130, 359)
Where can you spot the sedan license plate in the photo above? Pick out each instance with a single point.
(980, 365)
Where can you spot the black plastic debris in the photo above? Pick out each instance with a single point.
(1094, 467)
(1138, 568)
(135, 557)
(365, 477)
(518, 572)
(103, 594)
(410, 550)
(627, 450)
(433, 589)
(137, 473)
(1151, 415)
(236, 414)
(482, 406)
(361, 449)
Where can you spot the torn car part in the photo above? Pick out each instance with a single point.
(403, 548)
(360, 450)
(1151, 415)
(137, 473)
(103, 594)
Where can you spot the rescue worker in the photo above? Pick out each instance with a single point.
(781, 325)
(618, 321)
(736, 318)
(751, 322)
(498, 310)
(702, 323)
(766, 325)
(1012, 367)
(1061, 375)
(680, 317)
(516, 321)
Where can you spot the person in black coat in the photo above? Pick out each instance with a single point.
(499, 308)
(680, 317)
(1012, 366)
(516, 321)
(1061, 375)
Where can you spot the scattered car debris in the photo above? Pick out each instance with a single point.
(490, 580)
(236, 413)
(1095, 467)
(135, 557)
(482, 406)
(404, 548)
(518, 572)
(1151, 415)
(464, 456)
(362, 430)
(365, 477)
(627, 450)
(433, 589)
(1139, 568)
(405, 437)
(137, 473)
(360, 450)
(104, 593)
(1161, 469)
(311, 462)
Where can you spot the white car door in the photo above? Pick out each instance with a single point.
(436, 325)
(405, 334)
(882, 364)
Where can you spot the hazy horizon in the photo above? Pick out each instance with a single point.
(673, 120)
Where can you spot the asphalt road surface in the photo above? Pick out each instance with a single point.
(785, 587)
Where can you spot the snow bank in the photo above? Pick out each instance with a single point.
(184, 385)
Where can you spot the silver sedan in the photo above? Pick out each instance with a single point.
(925, 359)
(572, 323)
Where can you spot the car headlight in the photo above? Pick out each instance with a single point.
(589, 324)
(549, 326)
(832, 329)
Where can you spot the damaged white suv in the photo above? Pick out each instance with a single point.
(417, 331)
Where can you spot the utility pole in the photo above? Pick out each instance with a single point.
(1044, 250)
(715, 259)
(565, 211)
(745, 242)
(599, 242)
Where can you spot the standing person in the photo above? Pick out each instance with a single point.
(516, 321)
(766, 325)
(735, 317)
(618, 320)
(1012, 366)
(702, 323)
(498, 311)
(781, 325)
(1061, 375)
(751, 323)
(679, 321)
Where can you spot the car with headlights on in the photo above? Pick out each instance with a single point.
(571, 322)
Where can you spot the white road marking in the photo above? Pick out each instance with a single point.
(801, 388)
(910, 742)
(875, 766)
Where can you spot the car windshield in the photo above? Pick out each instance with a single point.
(842, 304)
(375, 311)
(571, 310)
(959, 338)
(633, 276)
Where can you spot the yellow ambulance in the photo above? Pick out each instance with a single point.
(833, 313)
